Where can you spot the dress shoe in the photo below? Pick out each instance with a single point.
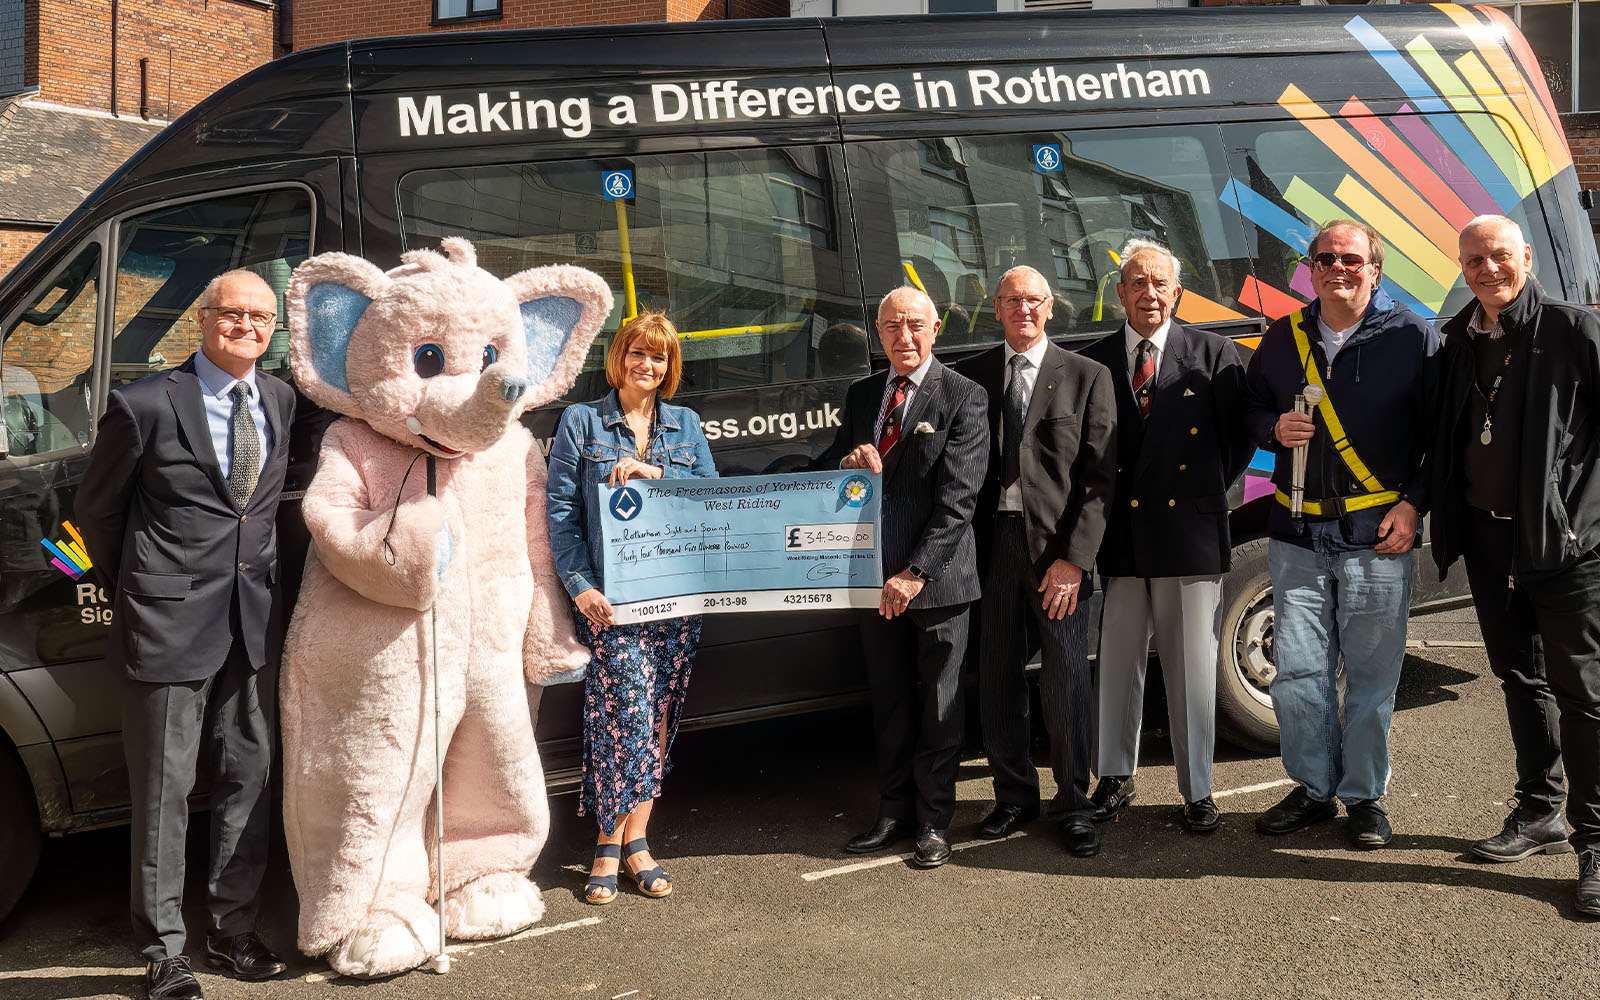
(245, 955)
(171, 979)
(1367, 824)
(1081, 837)
(933, 849)
(1112, 797)
(883, 833)
(1297, 811)
(1589, 883)
(1006, 818)
(1201, 816)
(1524, 835)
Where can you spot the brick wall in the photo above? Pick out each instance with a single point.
(12, 74)
(194, 47)
(15, 244)
(320, 21)
(1585, 143)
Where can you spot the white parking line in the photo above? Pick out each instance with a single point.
(895, 859)
(102, 973)
(1253, 788)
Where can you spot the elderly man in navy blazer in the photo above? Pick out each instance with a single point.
(922, 426)
(1181, 443)
(178, 507)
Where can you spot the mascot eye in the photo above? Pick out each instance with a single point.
(429, 360)
(489, 355)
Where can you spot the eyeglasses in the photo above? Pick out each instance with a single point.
(237, 317)
(1350, 261)
(1018, 301)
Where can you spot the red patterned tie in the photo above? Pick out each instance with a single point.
(897, 411)
(1144, 374)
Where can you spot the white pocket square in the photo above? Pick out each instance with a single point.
(922, 428)
(1188, 392)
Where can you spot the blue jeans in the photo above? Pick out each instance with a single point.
(1331, 600)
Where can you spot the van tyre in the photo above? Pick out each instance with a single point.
(20, 837)
(1245, 664)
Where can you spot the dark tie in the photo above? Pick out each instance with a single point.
(244, 464)
(1144, 376)
(1011, 422)
(897, 413)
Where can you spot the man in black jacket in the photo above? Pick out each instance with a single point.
(1518, 498)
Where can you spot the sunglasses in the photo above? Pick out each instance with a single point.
(1350, 261)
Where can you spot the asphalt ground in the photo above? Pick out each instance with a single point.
(767, 905)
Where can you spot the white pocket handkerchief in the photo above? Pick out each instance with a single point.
(1188, 392)
(922, 428)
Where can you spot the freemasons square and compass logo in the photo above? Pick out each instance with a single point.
(626, 504)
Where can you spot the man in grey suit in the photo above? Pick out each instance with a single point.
(924, 430)
(1181, 444)
(1052, 424)
(178, 508)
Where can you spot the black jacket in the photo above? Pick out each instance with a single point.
(1558, 495)
(1170, 516)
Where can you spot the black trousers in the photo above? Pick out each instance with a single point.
(1013, 626)
(1543, 640)
(231, 718)
(914, 673)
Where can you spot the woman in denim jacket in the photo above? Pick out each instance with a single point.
(633, 692)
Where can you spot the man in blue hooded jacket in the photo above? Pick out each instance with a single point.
(1342, 571)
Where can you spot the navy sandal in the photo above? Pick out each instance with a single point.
(646, 878)
(606, 882)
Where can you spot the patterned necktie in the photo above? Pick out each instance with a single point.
(1016, 410)
(244, 464)
(897, 412)
(1144, 376)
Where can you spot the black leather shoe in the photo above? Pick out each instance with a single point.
(1589, 883)
(1297, 811)
(933, 849)
(1367, 824)
(883, 833)
(1081, 837)
(171, 979)
(1006, 818)
(1524, 835)
(1112, 797)
(244, 955)
(1200, 816)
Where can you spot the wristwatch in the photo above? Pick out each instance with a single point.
(918, 573)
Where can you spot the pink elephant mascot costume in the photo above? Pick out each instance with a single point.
(436, 357)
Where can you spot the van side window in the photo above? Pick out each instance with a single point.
(46, 360)
(748, 252)
(166, 258)
(962, 211)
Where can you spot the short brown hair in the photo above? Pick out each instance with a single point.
(655, 333)
(1373, 239)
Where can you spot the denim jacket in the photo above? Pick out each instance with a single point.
(589, 441)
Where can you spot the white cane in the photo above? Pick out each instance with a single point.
(441, 961)
(1309, 397)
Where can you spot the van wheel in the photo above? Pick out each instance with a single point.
(1245, 667)
(20, 838)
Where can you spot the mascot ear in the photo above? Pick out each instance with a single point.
(328, 295)
(562, 308)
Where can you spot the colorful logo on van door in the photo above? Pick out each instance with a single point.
(70, 556)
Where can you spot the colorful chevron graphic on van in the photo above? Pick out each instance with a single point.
(1475, 135)
(70, 557)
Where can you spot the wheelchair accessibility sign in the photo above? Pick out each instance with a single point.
(617, 184)
(1047, 158)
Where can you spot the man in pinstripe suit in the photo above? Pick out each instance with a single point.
(1052, 463)
(922, 426)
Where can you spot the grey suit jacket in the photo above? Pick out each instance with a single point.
(180, 560)
(930, 479)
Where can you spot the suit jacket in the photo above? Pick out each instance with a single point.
(1170, 514)
(1067, 458)
(182, 563)
(930, 479)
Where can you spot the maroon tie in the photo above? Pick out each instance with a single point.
(1144, 374)
(897, 411)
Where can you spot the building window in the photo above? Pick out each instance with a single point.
(447, 11)
(1553, 30)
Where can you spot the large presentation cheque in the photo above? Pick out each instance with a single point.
(676, 547)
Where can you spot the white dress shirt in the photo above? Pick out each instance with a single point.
(1131, 340)
(1011, 496)
(216, 392)
(916, 375)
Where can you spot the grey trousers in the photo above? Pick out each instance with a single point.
(1185, 613)
(231, 717)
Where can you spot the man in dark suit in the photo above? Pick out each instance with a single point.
(178, 507)
(1181, 444)
(923, 429)
(1051, 465)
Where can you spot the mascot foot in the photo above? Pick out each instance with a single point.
(395, 936)
(492, 906)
